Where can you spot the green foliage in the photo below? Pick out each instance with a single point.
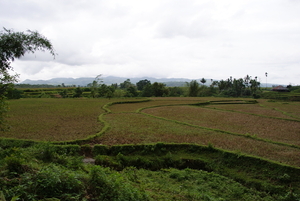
(94, 86)
(239, 87)
(51, 153)
(131, 92)
(104, 90)
(107, 185)
(14, 45)
(147, 91)
(86, 150)
(14, 94)
(77, 93)
(126, 84)
(63, 175)
(193, 88)
(159, 89)
(53, 181)
(100, 150)
(203, 81)
(188, 184)
(14, 164)
(142, 83)
(64, 93)
(107, 161)
(176, 91)
(205, 91)
(3, 114)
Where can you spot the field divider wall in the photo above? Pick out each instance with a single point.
(259, 115)
(253, 137)
(101, 120)
(283, 112)
(272, 177)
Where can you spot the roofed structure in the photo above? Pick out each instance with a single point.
(280, 89)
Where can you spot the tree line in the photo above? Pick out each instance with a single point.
(231, 87)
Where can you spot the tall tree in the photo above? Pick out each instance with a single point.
(266, 74)
(193, 88)
(147, 91)
(14, 45)
(255, 86)
(159, 89)
(126, 84)
(142, 83)
(203, 81)
(95, 86)
(131, 92)
(247, 80)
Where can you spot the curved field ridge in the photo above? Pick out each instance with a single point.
(174, 121)
(54, 119)
(239, 126)
(279, 130)
(291, 109)
(58, 120)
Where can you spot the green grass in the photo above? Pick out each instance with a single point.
(41, 170)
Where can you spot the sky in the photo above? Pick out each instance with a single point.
(211, 39)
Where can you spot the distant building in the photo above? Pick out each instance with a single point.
(280, 89)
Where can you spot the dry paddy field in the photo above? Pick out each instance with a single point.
(255, 129)
(54, 119)
(278, 130)
(269, 130)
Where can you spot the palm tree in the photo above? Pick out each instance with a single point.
(266, 79)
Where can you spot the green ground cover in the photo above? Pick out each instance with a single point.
(40, 171)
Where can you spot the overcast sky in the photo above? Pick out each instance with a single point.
(214, 39)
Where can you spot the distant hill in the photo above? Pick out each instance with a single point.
(83, 81)
(106, 80)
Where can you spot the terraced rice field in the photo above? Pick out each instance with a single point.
(244, 128)
(270, 130)
(54, 119)
(263, 127)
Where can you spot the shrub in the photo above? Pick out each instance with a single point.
(109, 186)
(14, 164)
(47, 153)
(53, 181)
(107, 161)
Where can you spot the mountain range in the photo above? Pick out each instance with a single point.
(83, 81)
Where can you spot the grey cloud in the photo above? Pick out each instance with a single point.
(201, 27)
(161, 37)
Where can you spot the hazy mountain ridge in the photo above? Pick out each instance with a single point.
(106, 80)
(83, 81)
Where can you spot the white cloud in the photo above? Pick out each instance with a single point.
(191, 39)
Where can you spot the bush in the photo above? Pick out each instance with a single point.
(53, 181)
(109, 186)
(14, 164)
